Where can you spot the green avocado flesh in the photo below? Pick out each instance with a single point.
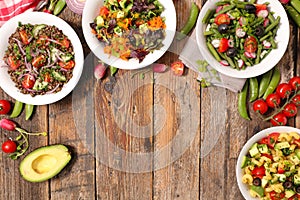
(44, 163)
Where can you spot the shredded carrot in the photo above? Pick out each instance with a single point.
(157, 23)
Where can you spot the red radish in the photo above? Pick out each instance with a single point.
(100, 71)
(240, 32)
(242, 21)
(219, 8)
(267, 44)
(240, 63)
(250, 55)
(284, 1)
(159, 68)
(262, 13)
(230, 43)
(8, 124)
(266, 22)
(224, 63)
(76, 5)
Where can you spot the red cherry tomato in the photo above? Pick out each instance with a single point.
(47, 78)
(68, 65)
(272, 139)
(13, 62)
(295, 82)
(260, 7)
(273, 100)
(267, 155)
(222, 19)
(279, 120)
(276, 196)
(250, 44)
(103, 11)
(24, 37)
(28, 81)
(284, 90)
(259, 172)
(65, 42)
(295, 197)
(9, 146)
(296, 100)
(290, 110)
(4, 107)
(260, 106)
(223, 45)
(280, 170)
(38, 61)
(178, 68)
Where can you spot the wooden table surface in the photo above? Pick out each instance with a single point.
(154, 136)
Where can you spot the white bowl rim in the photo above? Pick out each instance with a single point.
(255, 138)
(266, 64)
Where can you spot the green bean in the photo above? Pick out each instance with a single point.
(229, 60)
(28, 110)
(206, 33)
(224, 10)
(190, 23)
(273, 83)
(209, 13)
(253, 87)
(17, 109)
(264, 83)
(59, 7)
(273, 43)
(258, 54)
(221, 3)
(271, 18)
(213, 51)
(265, 36)
(293, 14)
(296, 4)
(257, 22)
(273, 25)
(242, 102)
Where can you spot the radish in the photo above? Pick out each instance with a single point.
(219, 8)
(240, 63)
(224, 63)
(266, 22)
(230, 43)
(242, 21)
(250, 55)
(262, 13)
(267, 44)
(240, 32)
(100, 71)
(284, 1)
(215, 43)
(159, 68)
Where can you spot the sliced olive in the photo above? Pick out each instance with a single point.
(259, 31)
(231, 52)
(256, 182)
(223, 28)
(288, 184)
(250, 8)
(298, 189)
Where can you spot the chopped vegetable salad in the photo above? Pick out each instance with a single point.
(130, 28)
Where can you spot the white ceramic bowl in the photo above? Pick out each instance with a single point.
(267, 63)
(91, 11)
(39, 18)
(244, 188)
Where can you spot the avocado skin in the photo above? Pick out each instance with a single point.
(29, 166)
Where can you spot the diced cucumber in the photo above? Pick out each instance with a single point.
(297, 152)
(282, 145)
(36, 29)
(99, 21)
(245, 161)
(296, 179)
(263, 148)
(289, 193)
(295, 159)
(254, 150)
(58, 76)
(264, 182)
(281, 177)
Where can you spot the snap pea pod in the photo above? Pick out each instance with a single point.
(293, 14)
(213, 51)
(253, 89)
(296, 4)
(113, 70)
(273, 25)
(28, 111)
(259, 49)
(190, 23)
(17, 109)
(59, 7)
(242, 102)
(209, 13)
(273, 83)
(265, 80)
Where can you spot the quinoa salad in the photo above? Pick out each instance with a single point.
(40, 59)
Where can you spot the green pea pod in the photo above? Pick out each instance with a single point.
(28, 110)
(293, 14)
(273, 83)
(59, 7)
(190, 23)
(264, 83)
(17, 109)
(242, 102)
(253, 89)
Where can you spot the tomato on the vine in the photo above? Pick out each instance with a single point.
(260, 106)
(284, 90)
(222, 19)
(4, 107)
(9, 146)
(295, 82)
(290, 110)
(296, 100)
(279, 120)
(177, 67)
(273, 100)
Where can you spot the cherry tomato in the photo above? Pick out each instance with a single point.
(65, 42)
(103, 11)
(290, 110)
(47, 78)
(260, 106)
(68, 65)
(260, 7)
(259, 172)
(222, 19)
(280, 170)
(178, 68)
(13, 62)
(47, 11)
(4, 107)
(272, 139)
(297, 142)
(250, 44)
(295, 197)
(279, 120)
(284, 90)
(267, 155)
(276, 196)
(9, 146)
(38, 61)
(273, 100)
(296, 100)
(24, 37)
(223, 45)
(28, 81)
(295, 82)
(264, 140)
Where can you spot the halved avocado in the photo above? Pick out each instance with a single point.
(44, 163)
